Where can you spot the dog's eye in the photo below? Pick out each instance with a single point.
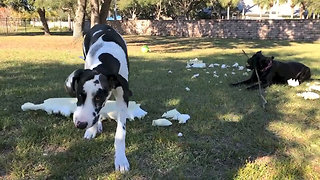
(97, 98)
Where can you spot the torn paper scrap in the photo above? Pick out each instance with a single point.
(314, 87)
(176, 115)
(235, 65)
(170, 72)
(66, 106)
(309, 95)
(195, 63)
(211, 66)
(161, 122)
(245, 74)
(182, 118)
(195, 76)
(216, 76)
(293, 82)
(180, 134)
(240, 68)
(187, 89)
(223, 66)
(171, 114)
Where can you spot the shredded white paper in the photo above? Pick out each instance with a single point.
(161, 122)
(195, 63)
(66, 106)
(309, 95)
(176, 115)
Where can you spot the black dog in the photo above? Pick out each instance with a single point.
(273, 72)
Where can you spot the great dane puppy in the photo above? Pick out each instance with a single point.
(271, 71)
(105, 72)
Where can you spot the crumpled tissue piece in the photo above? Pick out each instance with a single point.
(293, 82)
(245, 74)
(195, 63)
(309, 95)
(176, 115)
(235, 65)
(195, 76)
(314, 87)
(161, 122)
(66, 106)
(223, 66)
(240, 68)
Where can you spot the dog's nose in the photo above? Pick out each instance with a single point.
(81, 125)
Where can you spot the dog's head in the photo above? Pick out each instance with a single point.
(259, 61)
(92, 90)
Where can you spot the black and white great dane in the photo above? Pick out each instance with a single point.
(105, 72)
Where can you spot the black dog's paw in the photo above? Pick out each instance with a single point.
(234, 84)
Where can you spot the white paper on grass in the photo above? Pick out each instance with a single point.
(245, 74)
(171, 114)
(195, 76)
(176, 115)
(235, 65)
(314, 87)
(182, 118)
(66, 106)
(240, 68)
(195, 63)
(161, 122)
(293, 82)
(309, 95)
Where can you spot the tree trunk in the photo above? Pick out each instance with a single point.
(79, 19)
(302, 9)
(42, 14)
(228, 12)
(69, 20)
(104, 11)
(94, 12)
(115, 10)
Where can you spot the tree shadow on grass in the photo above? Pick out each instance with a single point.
(178, 44)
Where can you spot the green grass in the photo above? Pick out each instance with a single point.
(229, 135)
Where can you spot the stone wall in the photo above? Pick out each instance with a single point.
(244, 29)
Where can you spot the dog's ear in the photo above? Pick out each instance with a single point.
(71, 82)
(259, 52)
(272, 57)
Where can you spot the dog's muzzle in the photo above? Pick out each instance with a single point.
(81, 125)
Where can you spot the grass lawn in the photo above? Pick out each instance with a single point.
(229, 135)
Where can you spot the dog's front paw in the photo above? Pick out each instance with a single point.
(93, 131)
(121, 163)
